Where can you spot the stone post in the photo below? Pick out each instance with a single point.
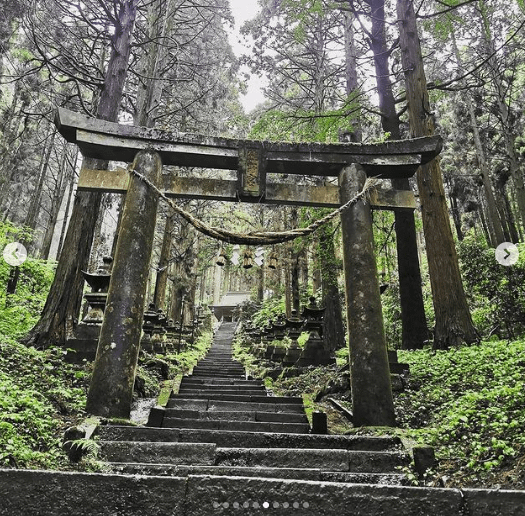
(111, 389)
(370, 375)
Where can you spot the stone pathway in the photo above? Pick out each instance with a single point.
(220, 423)
(224, 446)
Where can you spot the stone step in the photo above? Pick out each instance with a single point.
(188, 392)
(46, 493)
(155, 452)
(242, 426)
(330, 460)
(241, 397)
(189, 380)
(211, 361)
(231, 415)
(221, 390)
(218, 361)
(240, 385)
(217, 365)
(224, 368)
(219, 375)
(209, 454)
(259, 472)
(211, 384)
(234, 406)
(233, 439)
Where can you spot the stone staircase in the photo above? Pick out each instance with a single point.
(225, 446)
(221, 423)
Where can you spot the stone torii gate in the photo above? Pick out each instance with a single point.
(257, 164)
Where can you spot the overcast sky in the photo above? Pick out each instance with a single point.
(243, 10)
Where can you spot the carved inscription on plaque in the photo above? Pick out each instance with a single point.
(251, 185)
(251, 173)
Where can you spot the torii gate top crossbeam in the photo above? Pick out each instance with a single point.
(110, 141)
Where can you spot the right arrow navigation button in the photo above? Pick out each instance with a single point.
(507, 254)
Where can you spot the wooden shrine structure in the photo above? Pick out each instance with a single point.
(259, 167)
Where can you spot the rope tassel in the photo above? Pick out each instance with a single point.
(261, 237)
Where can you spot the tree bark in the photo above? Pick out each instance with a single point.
(413, 318)
(34, 205)
(455, 212)
(508, 134)
(71, 186)
(55, 205)
(161, 282)
(333, 329)
(453, 321)
(62, 307)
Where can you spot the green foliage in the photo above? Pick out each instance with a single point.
(392, 316)
(271, 308)
(39, 396)
(303, 125)
(20, 311)
(468, 403)
(496, 293)
(86, 447)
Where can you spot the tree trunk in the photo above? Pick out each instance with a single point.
(13, 142)
(98, 241)
(71, 186)
(453, 321)
(413, 318)
(507, 214)
(352, 83)
(150, 84)
(455, 213)
(495, 224)
(62, 307)
(161, 282)
(55, 206)
(333, 331)
(34, 205)
(507, 132)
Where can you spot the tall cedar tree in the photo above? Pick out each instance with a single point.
(65, 296)
(413, 319)
(453, 321)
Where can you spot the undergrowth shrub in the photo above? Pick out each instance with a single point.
(469, 403)
(496, 293)
(40, 396)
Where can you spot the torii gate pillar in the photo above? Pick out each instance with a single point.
(111, 389)
(369, 370)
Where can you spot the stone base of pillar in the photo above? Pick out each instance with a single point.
(278, 354)
(314, 353)
(291, 357)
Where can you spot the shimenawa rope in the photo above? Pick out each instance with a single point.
(260, 237)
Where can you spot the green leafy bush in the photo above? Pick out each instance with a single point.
(496, 293)
(19, 311)
(40, 396)
(271, 308)
(469, 403)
